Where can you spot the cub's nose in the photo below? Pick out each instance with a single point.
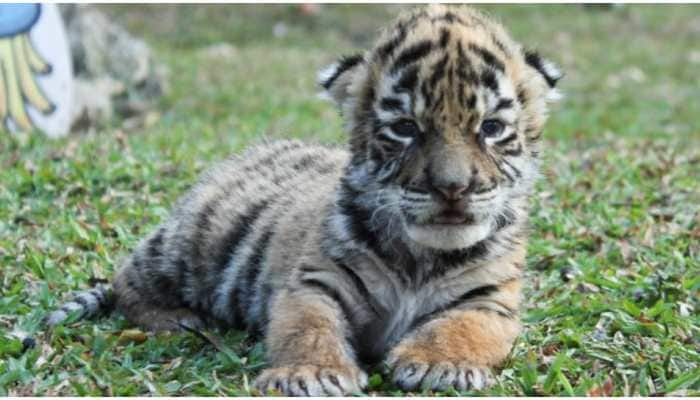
(451, 192)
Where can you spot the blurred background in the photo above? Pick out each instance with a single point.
(247, 69)
(613, 261)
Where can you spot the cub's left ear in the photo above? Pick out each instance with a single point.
(337, 79)
(549, 71)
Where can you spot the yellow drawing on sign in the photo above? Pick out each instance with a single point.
(19, 63)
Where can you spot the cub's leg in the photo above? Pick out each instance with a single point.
(457, 347)
(307, 349)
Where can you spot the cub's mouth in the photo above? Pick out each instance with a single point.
(446, 218)
(451, 218)
(448, 229)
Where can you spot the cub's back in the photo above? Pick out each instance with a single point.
(244, 214)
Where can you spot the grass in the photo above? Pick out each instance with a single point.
(613, 266)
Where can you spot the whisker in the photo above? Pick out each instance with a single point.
(480, 200)
(427, 198)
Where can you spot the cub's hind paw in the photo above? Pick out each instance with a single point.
(412, 375)
(311, 380)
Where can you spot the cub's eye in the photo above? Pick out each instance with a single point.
(405, 127)
(491, 128)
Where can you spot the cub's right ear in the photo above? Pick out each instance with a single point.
(548, 70)
(337, 79)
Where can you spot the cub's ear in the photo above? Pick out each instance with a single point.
(337, 78)
(549, 71)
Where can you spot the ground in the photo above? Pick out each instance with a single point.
(613, 267)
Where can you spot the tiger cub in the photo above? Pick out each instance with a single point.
(407, 246)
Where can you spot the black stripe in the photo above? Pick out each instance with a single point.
(506, 139)
(376, 153)
(515, 152)
(464, 298)
(480, 291)
(359, 217)
(165, 285)
(504, 219)
(82, 301)
(344, 64)
(488, 79)
(444, 37)
(438, 70)
(517, 171)
(237, 234)
(181, 268)
(388, 144)
(535, 61)
(202, 226)
(98, 295)
(449, 17)
(425, 91)
(451, 76)
(263, 164)
(391, 104)
(150, 274)
(529, 130)
(453, 258)
(474, 182)
(306, 161)
(503, 104)
(408, 80)
(388, 48)
(361, 287)
(462, 98)
(330, 292)
(482, 190)
(249, 271)
(488, 57)
(309, 269)
(471, 103)
(465, 71)
(522, 95)
(130, 278)
(461, 56)
(412, 54)
(155, 243)
(387, 171)
(504, 172)
(500, 45)
(142, 271)
(439, 101)
(205, 215)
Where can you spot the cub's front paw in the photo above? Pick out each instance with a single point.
(411, 374)
(311, 380)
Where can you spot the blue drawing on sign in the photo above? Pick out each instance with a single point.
(18, 18)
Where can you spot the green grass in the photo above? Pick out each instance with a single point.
(614, 272)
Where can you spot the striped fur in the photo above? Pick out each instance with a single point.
(408, 247)
(84, 304)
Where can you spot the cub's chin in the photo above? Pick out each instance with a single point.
(448, 236)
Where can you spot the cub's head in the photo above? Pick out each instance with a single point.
(444, 113)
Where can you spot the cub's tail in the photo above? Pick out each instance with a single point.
(84, 304)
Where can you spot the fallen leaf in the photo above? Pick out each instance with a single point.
(606, 390)
(132, 336)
